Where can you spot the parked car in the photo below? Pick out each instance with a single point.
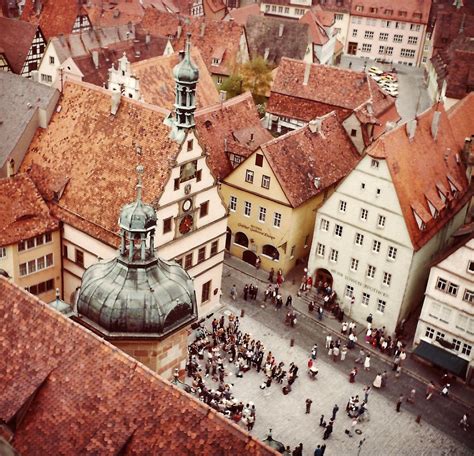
(391, 91)
(375, 71)
(389, 77)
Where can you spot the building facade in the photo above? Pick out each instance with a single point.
(447, 317)
(391, 33)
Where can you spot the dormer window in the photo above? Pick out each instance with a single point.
(373, 10)
(359, 8)
(441, 194)
(374, 164)
(453, 188)
(433, 210)
(416, 15)
(419, 221)
(388, 12)
(215, 62)
(402, 13)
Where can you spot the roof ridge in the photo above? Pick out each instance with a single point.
(230, 102)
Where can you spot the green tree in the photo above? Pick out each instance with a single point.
(257, 77)
(232, 85)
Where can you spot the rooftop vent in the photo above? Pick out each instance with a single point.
(281, 28)
(115, 103)
(411, 129)
(307, 71)
(435, 124)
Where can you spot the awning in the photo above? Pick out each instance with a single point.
(442, 358)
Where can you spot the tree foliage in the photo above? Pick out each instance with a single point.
(232, 85)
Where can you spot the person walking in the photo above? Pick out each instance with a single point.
(343, 352)
(352, 375)
(335, 353)
(430, 389)
(270, 275)
(377, 383)
(321, 421)
(384, 379)
(298, 451)
(328, 341)
(308, 405)
(328, 430)
(314, 352)
(366, 393)
(335, 409)
(411, 396)
(464, 421)
(246, 291)
(445, 390)
(289, 301)
(399, 402)
(367, 362)
(233, 292)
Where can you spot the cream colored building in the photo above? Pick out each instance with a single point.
(30, 244)
(272, 203)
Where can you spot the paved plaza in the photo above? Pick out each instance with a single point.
(386, 433)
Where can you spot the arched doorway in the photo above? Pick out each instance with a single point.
(271, 251)
(241, 239)
(249, 257)
(228, 238)
(323, 275)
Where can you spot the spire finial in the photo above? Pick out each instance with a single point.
(188, 45)
(140, 170)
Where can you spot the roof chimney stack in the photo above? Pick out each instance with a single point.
(435, 124)
(179, 31)
(95, 59)
(315, 125)
(307, 71)
(147, 38)
(222, 96)
(411, 129)
(203, 29)
(115, 103)
(280, 30)
(38, 7)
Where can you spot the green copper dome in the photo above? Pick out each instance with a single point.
(185, 71)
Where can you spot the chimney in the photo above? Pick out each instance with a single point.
(390, 125)
(116, 12)
(179, 31)
(317, 182)
(435, 124)
(115, 103)
(38, 7)
(307, 71)
(411, 129)
(95, 59)
(147, 38)
(280, 30)
(222, 96)
(370, 109)
(267, 53)
(203, 29)
(315, 126)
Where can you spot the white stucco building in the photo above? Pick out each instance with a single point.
(447, 318)
(375, 236)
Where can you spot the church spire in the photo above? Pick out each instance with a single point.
(186, 76)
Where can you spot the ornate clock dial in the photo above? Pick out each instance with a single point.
(187, 204)
(186, 224)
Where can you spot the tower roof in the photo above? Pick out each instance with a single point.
(185, 71)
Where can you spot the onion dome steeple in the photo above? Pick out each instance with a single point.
(137, 294)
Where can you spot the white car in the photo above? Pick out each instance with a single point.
(375, 70)
(391, 91)
(375, 77)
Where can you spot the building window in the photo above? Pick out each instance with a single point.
(381, 221)
(36, 265)
(338, 230)
(334, 255)
(392, 253)
(468, 295)
(365, 299)
(359, 239)
(292, 252)
(214, 247)
(188, 261)
(381, 49)
(287, 10)
(51, 60)
(369, 35)
(46, 78)
(176, 183)
(381, 304)
(362, 186)
(277, 220)
(206, 291)
(354, 264)
(415, 27)
(35, 242)
(201, 255)
(3, 252)
(440, 335)
(429, 332)
(397, 38)
(383, 37)
(349, 291)
(262, 214)
(190, 145)
(79, 258)
(374, 164)
(266, 181)
(167, 225)
(408, 53)
(359, 8)
(412, 40)
(387, 279)
(320, 249)
(376, 246)
(364, 213)
(441, 284)
(466, 349)
(247, 208)
(233, 203)
(353, 132)
(204, 209)
(371, 272)
(342, 206)
(354, 33)
(249, 176)
(324, 226)
(453, 289)
(41, 287)
(366, 47)
(470, 267)
(259, 160)
(389, 50)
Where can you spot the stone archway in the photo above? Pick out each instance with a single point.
(249, 257)
(241, 239)
(323, 275)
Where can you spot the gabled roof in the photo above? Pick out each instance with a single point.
(461, 117)
(290, 97)
(233, 126)
(325, 17)
(316, 29)
(160, 23)
(83, 136)
(213, 6)
(89, 397)
(322, 150)
(111, 13)
(16, 38)
(157, 85)
(417, 11)
(415, 182)
(23, 212)
(275, 38)
(240, 15)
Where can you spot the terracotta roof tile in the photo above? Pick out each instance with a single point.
(23, 212)
(98, 187)
(276, 38)
(159, 23)
(326, 153)
(324, 16)
(413, 180)
(316, 30)
(451, 22)
(16, 38)
(115, 12)
(411, 7)
(460, 117)
(214, 5)
(230, 126)
(240, 15)
(157, 85)
(92, 398)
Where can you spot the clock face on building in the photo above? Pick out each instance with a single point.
(187, 204)
(186, 224)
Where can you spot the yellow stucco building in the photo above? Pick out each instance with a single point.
(274, 194)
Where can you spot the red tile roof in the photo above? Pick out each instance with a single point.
(415, 182)
(82, 395)
(380, 8)
(289, 97)
(16, 38)
(230, 126)
(159, 23)
(115, 12)
(213, 6)
(157, 85)
(240, 15)
(23, 213)
(98, 187)
(316, 30)
(325, 152)
(461, 117)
